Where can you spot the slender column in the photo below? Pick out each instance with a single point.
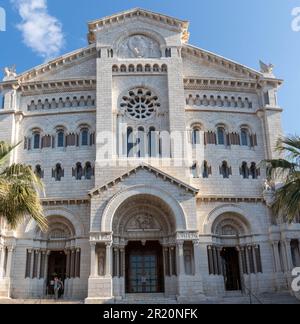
(9, 261)
(166, 261)
(93, 260)
(2, 252)
(210, 260)
(247, 259)
(254, 259)
(289, 254)
(116, 260)
(276, 256)
(170, 262)
(47, 263)
(122, 262)
(38, 264)
(219, 249)
(181, 270)
(108, 259)
(197, 258)
(68, 264)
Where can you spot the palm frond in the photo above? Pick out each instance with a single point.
(5, 149)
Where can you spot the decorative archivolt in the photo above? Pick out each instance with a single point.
(230, 224)
(142, 216)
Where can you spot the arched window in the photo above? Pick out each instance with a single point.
(152, 142)
(88, 171)
(139, 68)
(155, 68)
(254, 171)
(131, 68)
(245, 137)
(84, 137)
(129, 142)
(36, 140)
(115, 69)
(141, 142)
(221, 135)
(195, 170)
(245, 170)
(58, 172)
(123, 68)
(78, 171)
(38, 171)
(206, 170)
(61, 138)
(196, 136)
(225, 170)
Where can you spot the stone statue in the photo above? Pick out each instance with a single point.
(10, 73)
(139, 46)
(268, 186)
(266, 68)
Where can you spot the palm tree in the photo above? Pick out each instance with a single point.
(287, 172)
(19, 191)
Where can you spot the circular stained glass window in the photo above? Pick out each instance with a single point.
(140, 103)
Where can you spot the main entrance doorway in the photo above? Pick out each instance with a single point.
(57, 265)
(144, 268)
(231, 269)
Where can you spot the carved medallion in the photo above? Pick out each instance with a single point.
(139, 46)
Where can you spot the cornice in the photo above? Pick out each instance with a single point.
(68, 85)
(221, 84)
(65, 201)
(223, 199)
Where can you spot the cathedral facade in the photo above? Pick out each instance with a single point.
(150, 151)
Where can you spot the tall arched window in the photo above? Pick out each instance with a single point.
(78, 172)
(254, 171)
(245, 137)
(58, 172)
(141, 142)
(152, 142)
(38, 171)
(36, 140)
(221, 135)
(61, 138)
(196, 136)
(88, 171)
(84, 137)
(225, 170)
(195, 170)
(130, 142)
(206, 170)
(245, 170)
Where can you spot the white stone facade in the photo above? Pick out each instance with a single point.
(204, 223)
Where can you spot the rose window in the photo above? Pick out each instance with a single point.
(140, 104)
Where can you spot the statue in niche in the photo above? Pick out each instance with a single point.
(101, 263)
(139, 46)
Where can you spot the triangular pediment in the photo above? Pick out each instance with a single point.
(147, 168)
(142, 14)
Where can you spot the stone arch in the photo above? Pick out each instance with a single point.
(240, 219)
(63, 213)
(121, 197)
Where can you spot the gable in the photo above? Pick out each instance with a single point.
(146, 174)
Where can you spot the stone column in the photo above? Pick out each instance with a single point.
(170, 261)
(38, 264)
(181, 270)
(108, 259)
(68, 264)
(254, 259)
(197, 258)
(2, 252)
(166, 261)
(276, 256)
(9, 261)
(116, 265)
(93, 260)
(122, 262)
(290, 265)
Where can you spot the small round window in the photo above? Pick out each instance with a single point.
(140, 103)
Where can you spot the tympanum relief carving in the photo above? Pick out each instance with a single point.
(139, 46)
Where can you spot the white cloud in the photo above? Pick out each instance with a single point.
(41, 31)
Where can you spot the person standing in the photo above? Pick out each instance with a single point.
(57, 287)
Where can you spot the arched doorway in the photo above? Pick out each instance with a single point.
(233, 255)
(144, 229)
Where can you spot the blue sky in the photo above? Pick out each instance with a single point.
(244, 31)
